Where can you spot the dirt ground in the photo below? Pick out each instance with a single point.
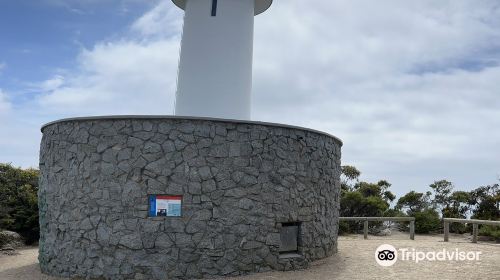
(355, 260)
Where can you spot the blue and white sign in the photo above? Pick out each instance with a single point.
(165, 205)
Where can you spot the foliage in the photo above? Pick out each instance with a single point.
(355, 204)
(393, 212)
(490, 231)
(379, 189)
(419, 205)
(458, 207)
(442, 191)
(350, 174)
(486, 200)
(481, 203)
(362, 199)
(19, 202)
(427, 221)
(345, 227)
(413, 202)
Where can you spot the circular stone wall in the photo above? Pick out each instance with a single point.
(246, 187)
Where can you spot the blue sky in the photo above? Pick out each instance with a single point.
(412, 88)
(41, 37)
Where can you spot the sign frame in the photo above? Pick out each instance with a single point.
(171, 205)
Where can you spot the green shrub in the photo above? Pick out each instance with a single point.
(344, 227)
(19, 201)
(492, 231)
(3, 240)
(453, 212)
(427, 221)
(355, 204)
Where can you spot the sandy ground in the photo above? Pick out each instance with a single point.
(355, 260)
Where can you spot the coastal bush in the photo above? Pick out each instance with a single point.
(19, 201)
(427, 221)
(492, 231)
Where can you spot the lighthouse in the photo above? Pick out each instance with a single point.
(210, 178)
(215, 66)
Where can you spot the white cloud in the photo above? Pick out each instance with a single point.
(19, 136)
(124, 77)
(411, 88)
(52, 84)
(162, 20)
(5, 105)
(135, 75)
(403, 84)
(3, 65)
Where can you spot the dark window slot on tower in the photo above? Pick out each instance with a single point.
(290, 239)
(214, 8)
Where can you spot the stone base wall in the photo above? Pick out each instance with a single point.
(239, 182)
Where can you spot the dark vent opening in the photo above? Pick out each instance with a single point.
(290, 238)
(214, 8)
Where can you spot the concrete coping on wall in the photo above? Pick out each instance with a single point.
(186, 118)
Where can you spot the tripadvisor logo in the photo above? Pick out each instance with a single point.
(387, 255)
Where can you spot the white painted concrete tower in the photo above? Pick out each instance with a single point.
(215, 67)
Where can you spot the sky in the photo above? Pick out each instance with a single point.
(411, 87)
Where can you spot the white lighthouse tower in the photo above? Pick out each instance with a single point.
(215, 67)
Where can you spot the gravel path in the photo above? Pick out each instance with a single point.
(355, 260)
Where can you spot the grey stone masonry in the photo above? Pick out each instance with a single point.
(239, 182)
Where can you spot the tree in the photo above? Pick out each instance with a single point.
(414, 202)
(427, 221)
(354, 204)
(368, 189)
(487, 209)
(459, 205)
(419, 205)
(350, 175)
(486, 200)
(18, 201)
(379, 189)
(362, 199)
(385, 193)
(442, 191)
